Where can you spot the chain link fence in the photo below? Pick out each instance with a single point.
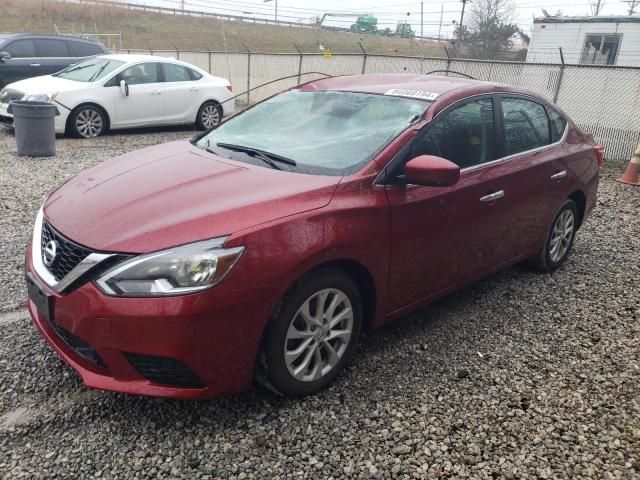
(604, 101)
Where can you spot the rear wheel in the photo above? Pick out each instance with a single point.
(209, 115)
(559, 239)
(87, 121)
(314, 333)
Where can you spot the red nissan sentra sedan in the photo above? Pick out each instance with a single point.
(268, 245)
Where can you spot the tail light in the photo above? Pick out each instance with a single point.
(599, 151)
(230, 88)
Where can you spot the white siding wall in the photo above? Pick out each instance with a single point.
(545, 41)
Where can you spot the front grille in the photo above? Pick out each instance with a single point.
(68, 253)
(79, 346)
(164, 371)
(9, 95)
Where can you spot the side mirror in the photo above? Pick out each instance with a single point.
(124, 88)
(431, 171)
(5, 56)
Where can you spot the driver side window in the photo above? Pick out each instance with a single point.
(140, 74)
(464, 135)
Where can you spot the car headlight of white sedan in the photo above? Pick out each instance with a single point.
(41, 97)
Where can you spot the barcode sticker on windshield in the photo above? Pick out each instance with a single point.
(401, 92)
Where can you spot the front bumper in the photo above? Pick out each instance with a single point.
(213, 336)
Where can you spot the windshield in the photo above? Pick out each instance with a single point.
(90, 70)
(326, 133)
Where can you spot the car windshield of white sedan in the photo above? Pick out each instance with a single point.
(324, 133)
(90, 70)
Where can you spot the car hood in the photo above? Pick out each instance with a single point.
(175, 193)
(46, 84)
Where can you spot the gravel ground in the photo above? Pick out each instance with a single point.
(522, 375)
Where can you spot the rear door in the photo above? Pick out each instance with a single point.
(443, 237)
(24, 62)
(537, 174)
(53, 55)
(181, 92)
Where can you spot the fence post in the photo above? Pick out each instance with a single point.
(299, 63)
(210, 61)
(560, 75)
(446, 50)
(364, 59)
(248, 73)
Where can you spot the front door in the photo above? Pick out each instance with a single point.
(444, 237)
(24, 62)
(145, 104)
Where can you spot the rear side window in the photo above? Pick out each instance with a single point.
(52, 48)
(464, 135)
(21, 49)
(82, 49)
(175, 73)
(558, 124)
(195, 75)
(526, 125)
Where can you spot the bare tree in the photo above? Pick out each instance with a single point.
(489, 29)
(596, 6)
(633, 4)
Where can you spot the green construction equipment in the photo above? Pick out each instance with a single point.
(364, 23)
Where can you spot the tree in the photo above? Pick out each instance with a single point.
(557, 13)
(633, 4)
(596, 6)
(488, 30)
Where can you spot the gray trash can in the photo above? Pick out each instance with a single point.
(34, 124)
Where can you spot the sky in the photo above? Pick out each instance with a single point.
(388, 12)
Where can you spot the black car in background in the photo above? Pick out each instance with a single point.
(28, 55)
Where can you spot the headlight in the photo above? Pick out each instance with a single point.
(41, 97)
(185, 269)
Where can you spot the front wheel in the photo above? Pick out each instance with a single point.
(314, 333)
(209, 115)
(87, 121)
(559, 240)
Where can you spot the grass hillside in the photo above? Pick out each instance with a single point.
(164, 31)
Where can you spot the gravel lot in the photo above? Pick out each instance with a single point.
(519, 376)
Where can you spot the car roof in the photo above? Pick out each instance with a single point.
(12, 36)
(134, 57)
(383, 83)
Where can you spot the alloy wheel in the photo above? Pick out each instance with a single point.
(210, 116)
(89, 123)
(318, 335)
(561, 235)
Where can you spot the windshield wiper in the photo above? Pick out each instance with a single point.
(266, 157)
(73, 69)
(97, 74)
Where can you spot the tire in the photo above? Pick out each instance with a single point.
(559, 239)
(87, 121)
(327, 350)
(209, 115)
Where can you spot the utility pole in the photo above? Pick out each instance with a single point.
(182, 4)
(440, 27)
(276, 9)
(455, 49)
(422, 19)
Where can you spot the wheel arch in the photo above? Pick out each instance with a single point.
(580, 198)
(92, 104)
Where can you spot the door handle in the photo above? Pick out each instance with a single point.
(194, 89)
(156, 92)
(492, 196)
(559, 175)
(34, 64)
